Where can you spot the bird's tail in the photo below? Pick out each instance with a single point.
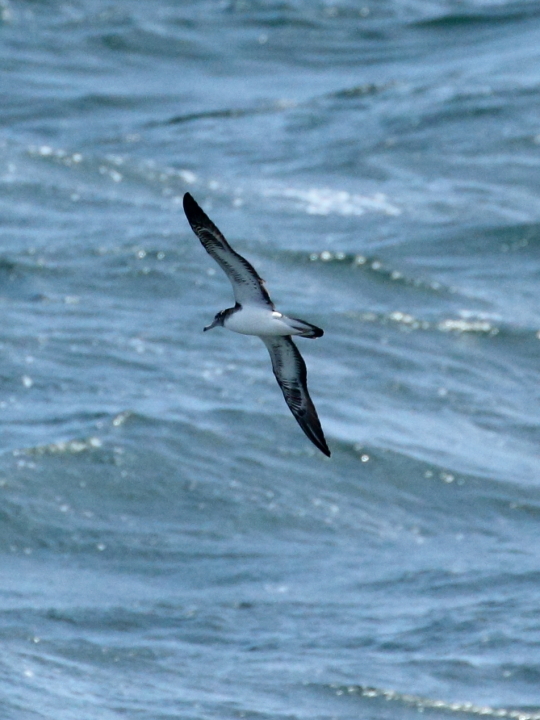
(303, 328)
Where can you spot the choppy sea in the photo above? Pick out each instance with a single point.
(171, 545)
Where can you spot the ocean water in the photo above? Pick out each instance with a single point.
(171, 545)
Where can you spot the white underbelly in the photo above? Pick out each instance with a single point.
(258, 321)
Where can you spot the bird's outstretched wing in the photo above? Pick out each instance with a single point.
(290, 371)
(247, 285)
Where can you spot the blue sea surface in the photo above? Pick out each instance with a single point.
(171, 544)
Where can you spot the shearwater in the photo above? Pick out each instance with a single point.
(255, 314)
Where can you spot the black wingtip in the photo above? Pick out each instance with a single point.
(196, 216)
(314, 432)
(192, 208)
(320, 443)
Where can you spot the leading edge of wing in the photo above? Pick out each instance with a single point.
(245, 280)
(291, 373)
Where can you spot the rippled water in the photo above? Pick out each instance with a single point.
(172, 545)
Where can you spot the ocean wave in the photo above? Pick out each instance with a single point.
(430, 708)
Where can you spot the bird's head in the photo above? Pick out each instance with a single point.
(217, 321)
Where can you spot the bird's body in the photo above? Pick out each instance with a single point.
(258, 320)
(254, 314)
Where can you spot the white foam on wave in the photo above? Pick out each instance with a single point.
(68, 447)
(422, 703)
(327, 201)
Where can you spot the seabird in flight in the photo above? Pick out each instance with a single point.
(255, 314)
